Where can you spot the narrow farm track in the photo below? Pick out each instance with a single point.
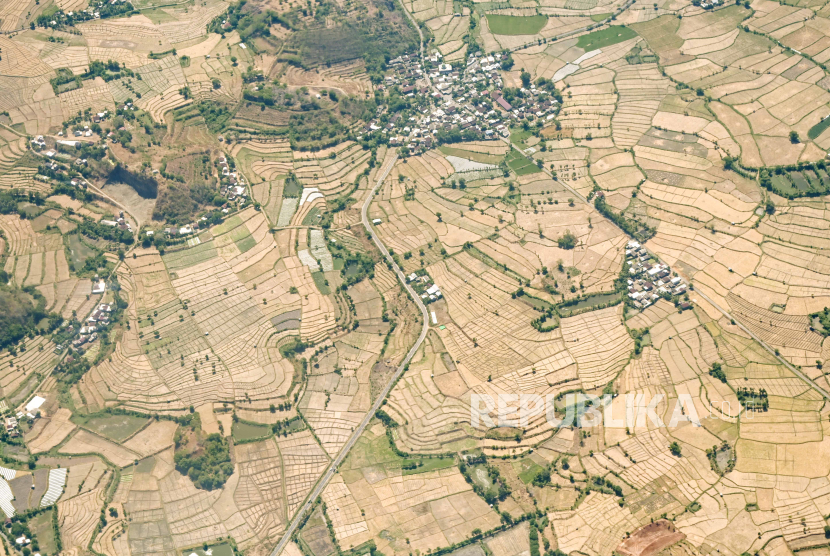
(341, 456)
(697, 291)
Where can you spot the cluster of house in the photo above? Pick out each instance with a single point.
(39, 143)
(462, 99)
(31, 410)
(79, 133)
(11, 426)
(54, 161)
(24, 541)
(233, 185)
(405, 73)
(119, 223)
(99, 318)
(82, 15)
(424, 286)
(649, 281)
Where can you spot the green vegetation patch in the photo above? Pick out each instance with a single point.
(206, 460)
(246, 244)
(249, 431)
(519, 136)
(639, 230)
(22, 312)
(292, 188)
(42, 527)
(114, 427)
(661, 33)
(190, 257)
(819, 128)
(485, 479)
(799, 181)
(243, 239)
(314, 537)
(605, 37)
(378, 452)
(527, 469)
(227, 225)
(802, 180)
(515, 25)
(590, 303)
(79, 251)
(320, 281)
(639, 56)
(505, 433)
(520, 164)
(369, 38)
(216, 115)
(470, 155)
(65, 81)
(600, 17)
(313, 217)
(415, 466)
(146, 465)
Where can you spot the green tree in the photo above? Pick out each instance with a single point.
(567, 241)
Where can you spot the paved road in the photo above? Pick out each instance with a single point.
(697, 291)
(786, 363)
(332, 469)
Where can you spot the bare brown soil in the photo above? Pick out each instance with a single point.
(650, 539)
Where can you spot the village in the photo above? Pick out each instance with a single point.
(452, 104)
(61, 164)
(650, 280)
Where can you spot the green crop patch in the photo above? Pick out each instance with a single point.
(819, 128)
(516, 25)
(605, 37)
(520, 164)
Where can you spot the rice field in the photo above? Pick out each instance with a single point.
(703, 130)
(515, 25)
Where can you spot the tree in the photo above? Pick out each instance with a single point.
(525, 77)
(674, 448)
(770, 207)
(567, 241)
(794, 137)
(717, 372)
(542, 478)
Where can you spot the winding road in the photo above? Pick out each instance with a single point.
(323, 482)
(335, 463)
